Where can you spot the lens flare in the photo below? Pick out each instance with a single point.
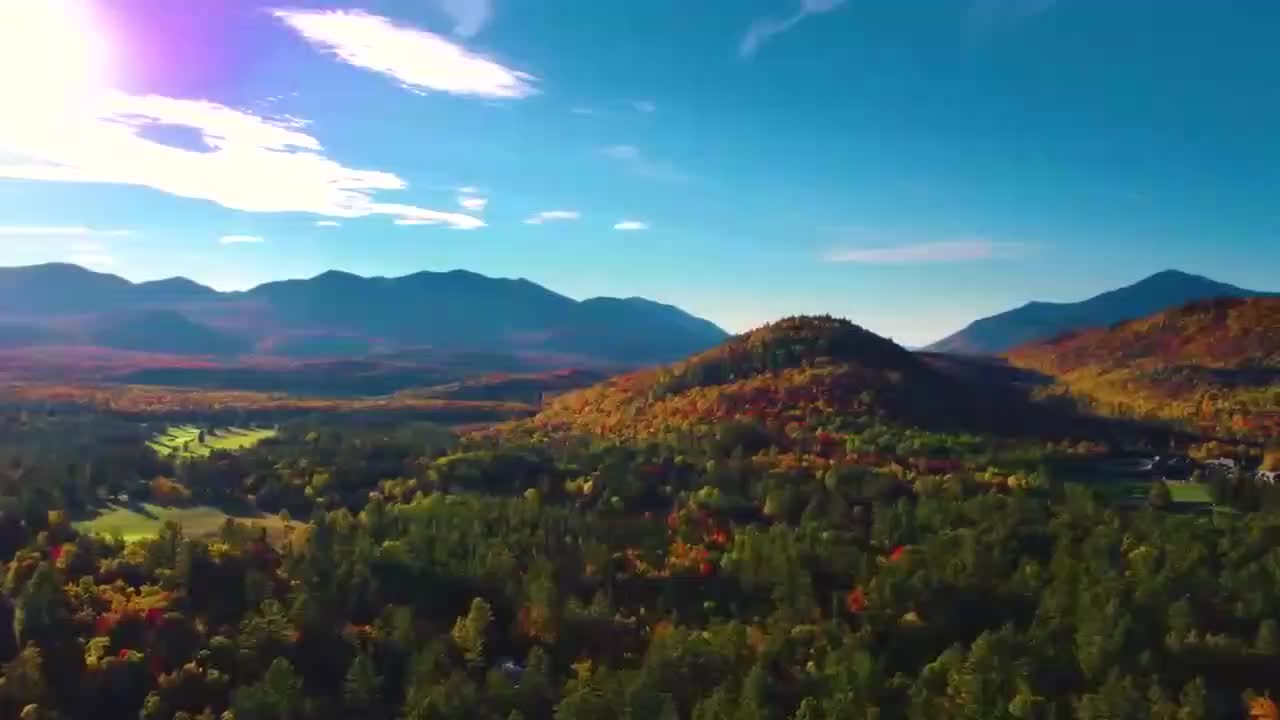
(54, 56)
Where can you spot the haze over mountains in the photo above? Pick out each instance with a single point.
(338, 314)
(1044, 320)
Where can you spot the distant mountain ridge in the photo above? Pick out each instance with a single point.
(1037, 321)
(339, 314)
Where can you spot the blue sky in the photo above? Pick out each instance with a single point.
(908, 165)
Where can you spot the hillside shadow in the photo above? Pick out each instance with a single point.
(984, 370)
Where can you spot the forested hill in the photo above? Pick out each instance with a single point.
(1038, 321)
(800, 372)
(1216, 361)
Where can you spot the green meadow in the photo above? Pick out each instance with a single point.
(181, 441)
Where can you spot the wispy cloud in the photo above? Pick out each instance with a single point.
(631, 225)
(58, 231)
(763, 29)
(249, 162)
(547, 216)
(637, 163)
(644, 106)
(417, 59)
(473, 202)
(964, 250)
(470, 198)
(582, 110)
(469, 16)
(409, 215)
(241, 240)
(328, 223)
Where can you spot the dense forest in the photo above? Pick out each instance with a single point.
(781, 529)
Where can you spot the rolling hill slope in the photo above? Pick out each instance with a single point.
(1214, 362)
(1042, 320)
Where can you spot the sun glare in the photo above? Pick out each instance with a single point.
(54, 55)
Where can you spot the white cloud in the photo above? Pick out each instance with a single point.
(249, 163)
(58, 231)
(547, 216)
(762, 29)
(631, 225)
(328, 223)
(469, 16)
(635, 162)
(418, 59)
(473, 202)
(644, 106)
(581, 110)
(241, 240)
(469, 190)
(934, 252)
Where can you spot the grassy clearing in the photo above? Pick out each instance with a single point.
(1190, 492)
(181, 441)
(135, 522)
(1122, 489)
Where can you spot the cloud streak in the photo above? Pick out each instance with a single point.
(631, 225)
(965, 250)
(246, 162)
(473, 203)
(764, 29)
(469, 198)
(547, 216)
(637, 163)
(241, 240)
(419, 60)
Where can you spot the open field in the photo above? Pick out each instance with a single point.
(191, 441)
(1189, 492)
(143, 520)
(1127, 489)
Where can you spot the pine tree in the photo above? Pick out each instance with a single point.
(362, 687)
(469, 631)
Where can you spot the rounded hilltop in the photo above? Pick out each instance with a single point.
(793, 342)
(815, 371)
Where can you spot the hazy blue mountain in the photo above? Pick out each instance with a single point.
(1043, 320)
(341, 314)
(155, 330)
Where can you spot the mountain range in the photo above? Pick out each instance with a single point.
(337, 314)
(1038, 321)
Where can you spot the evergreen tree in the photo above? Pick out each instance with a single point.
(470, 631)
(362, 687)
